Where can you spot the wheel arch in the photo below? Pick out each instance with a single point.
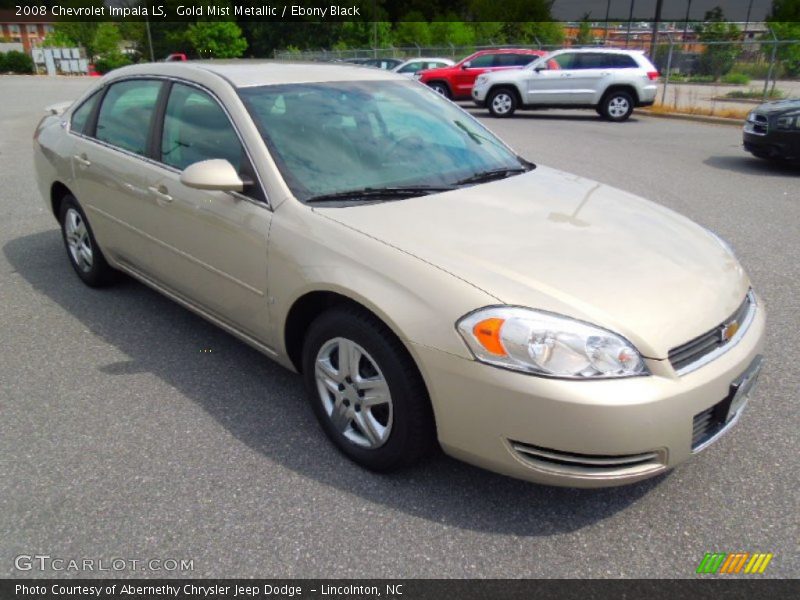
(58, 191)
(621, 87)
(444, 82)
(506, 86)
(313, 303)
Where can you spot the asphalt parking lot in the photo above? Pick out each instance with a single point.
(122, 435)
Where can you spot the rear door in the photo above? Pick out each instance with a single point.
(109, 167)
(213, 245)
(592, 73)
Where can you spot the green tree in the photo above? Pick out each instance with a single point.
(413, 29)
(106, 39)
(585, 36)
(451, 31)
(784, 21)
(718, 59)
(216, 39)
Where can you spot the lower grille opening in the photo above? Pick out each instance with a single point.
(709, 423)
(589, 464)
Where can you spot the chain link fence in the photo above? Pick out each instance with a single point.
(758, 63)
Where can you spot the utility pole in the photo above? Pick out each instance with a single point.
(630, 21)
(375, 27)
(747, 19)
(654, 36)
(608, 10)
(686, 21)
(149, 38)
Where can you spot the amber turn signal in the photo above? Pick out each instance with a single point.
(487, 332)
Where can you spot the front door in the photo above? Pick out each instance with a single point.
(213, 245)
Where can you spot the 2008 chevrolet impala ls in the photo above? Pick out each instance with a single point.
(429, 284)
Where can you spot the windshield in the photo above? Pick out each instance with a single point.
(329, 138)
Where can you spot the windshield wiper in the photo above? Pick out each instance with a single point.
(491, 175)
(370, 193)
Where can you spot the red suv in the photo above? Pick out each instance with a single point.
(456, 82)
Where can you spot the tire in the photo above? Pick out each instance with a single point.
(441, 89)
(502, 103)
(382, 427)
(617, 106)
(83, 252)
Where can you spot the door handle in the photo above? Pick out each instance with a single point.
(161, 193)
(82, 160)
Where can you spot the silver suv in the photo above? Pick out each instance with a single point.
(613, 82)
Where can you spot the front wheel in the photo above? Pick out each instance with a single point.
(502, 103)
(617, 106)
(441, 89)
(365, 390)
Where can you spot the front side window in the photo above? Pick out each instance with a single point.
(482, 62)
(80, 116)
(125, 114)
(328, 138)
(564, 61)
(196, 129)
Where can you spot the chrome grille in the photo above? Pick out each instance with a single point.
(687, 355)
(587, 464)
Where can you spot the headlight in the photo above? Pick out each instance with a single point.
(547, 344)
(481, 80)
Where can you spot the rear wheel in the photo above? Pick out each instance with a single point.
(440, 88)
(366, 391)
(502, 103)
(84, 254)
(617, 106)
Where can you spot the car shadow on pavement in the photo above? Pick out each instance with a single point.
(264, 407)
(750, 165)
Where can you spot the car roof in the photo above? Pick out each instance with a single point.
(510, 51)
(598, 50)
(250, 73)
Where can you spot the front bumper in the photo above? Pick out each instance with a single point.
(783, 145)
(578, 433)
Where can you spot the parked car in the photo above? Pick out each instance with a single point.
(613, 82)
(429, 283)
(414, 66)
(772, 130)
(176, 57)
(456, 82)
(382, 63)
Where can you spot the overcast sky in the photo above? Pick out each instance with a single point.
(672, 10)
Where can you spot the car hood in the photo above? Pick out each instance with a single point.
(565, 244)
(779, 107)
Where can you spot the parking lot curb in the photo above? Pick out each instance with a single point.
(697, 118)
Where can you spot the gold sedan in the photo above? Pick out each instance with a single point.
(430, 285)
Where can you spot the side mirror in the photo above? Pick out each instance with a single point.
(215, 174)
(466, 65)
(540, 68)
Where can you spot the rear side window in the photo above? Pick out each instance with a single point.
(80, 117)
(594, 61)
(624, 61)
(126, 113)
(413, 67)
(520, 60)
(196, 128)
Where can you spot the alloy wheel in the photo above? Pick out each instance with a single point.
(354, 393)
(78, 241)
(618, 107)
